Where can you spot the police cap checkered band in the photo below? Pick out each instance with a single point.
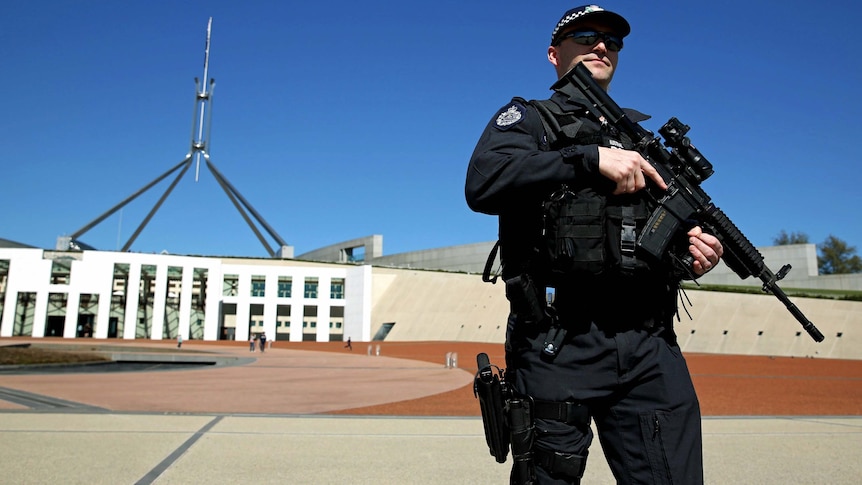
(615, 22)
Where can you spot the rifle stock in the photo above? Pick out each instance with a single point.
(683, 168)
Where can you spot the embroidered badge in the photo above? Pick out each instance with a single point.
(510, 116)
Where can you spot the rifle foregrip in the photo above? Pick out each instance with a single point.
(739, 254)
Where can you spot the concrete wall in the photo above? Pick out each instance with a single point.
(470, 258)
(341, 252)
(422, 304)
(427, 305)
(735, 323)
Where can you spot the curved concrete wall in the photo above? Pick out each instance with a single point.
(427, 305)
(735, 323)
(470, 258)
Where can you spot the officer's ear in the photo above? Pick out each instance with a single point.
(553, 56)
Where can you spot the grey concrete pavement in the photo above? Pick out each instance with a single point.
(216, 426)
(111, 448)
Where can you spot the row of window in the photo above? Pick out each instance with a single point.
(305, 324)
(285, 287)
(61, 274)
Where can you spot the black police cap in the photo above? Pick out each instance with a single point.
(615, 21)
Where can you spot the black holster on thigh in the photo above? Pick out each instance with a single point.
(561, 464)
(522, 434)
(490, 388)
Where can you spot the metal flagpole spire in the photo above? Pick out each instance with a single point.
(200, 144)
(201, 126)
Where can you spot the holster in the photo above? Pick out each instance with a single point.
(490, 388)
(521, 422)
(509, 422)
(525, 299)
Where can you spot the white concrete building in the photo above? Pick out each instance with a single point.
(105, 294)
(119, 295)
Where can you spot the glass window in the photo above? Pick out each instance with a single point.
(4, 275)
(336, 289)
(146, 301)
(311, 288)
(309, 316)
(61, 272)
(285, 283)
(199, 299)
(231, 285)
(258, 286)
(355, 255)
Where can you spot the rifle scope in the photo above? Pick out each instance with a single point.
(688, 157)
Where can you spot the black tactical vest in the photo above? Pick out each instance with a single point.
(587, 230)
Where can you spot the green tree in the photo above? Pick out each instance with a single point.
(784, 239)
(837, 257)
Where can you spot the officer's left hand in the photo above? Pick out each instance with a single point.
(706, 250)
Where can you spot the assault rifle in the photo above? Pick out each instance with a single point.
(683, 168)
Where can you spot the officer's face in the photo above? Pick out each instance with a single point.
(597, 57)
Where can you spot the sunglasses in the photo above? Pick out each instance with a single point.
(591, 37)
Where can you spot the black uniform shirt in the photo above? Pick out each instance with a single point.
(512, 159)
(512, 171)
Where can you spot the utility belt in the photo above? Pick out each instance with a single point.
(612, 304)
(509, 421)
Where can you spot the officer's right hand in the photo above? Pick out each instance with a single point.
(628, 169)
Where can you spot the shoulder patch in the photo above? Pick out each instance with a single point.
(510, 116)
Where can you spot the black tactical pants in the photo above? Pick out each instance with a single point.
(637, 387)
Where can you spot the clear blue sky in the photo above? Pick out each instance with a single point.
(339, 119)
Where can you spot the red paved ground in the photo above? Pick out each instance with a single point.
(313, 382)
(727, 385)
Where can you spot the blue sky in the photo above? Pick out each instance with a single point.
(338, 119)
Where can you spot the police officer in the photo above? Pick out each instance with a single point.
(605, 350)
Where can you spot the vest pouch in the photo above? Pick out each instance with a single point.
(627, 222)
(574, 233)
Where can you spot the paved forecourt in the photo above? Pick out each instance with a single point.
(114, 448)
(267, 424)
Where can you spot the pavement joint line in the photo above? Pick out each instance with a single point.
(157, 471)
(42, 402)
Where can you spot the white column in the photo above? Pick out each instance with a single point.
(70, 326)
(270, 304)
(324, 283)
(214, 297)
(187, 287)
(243, 300)
(133, 290)
(158, 328)
(357, 303)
